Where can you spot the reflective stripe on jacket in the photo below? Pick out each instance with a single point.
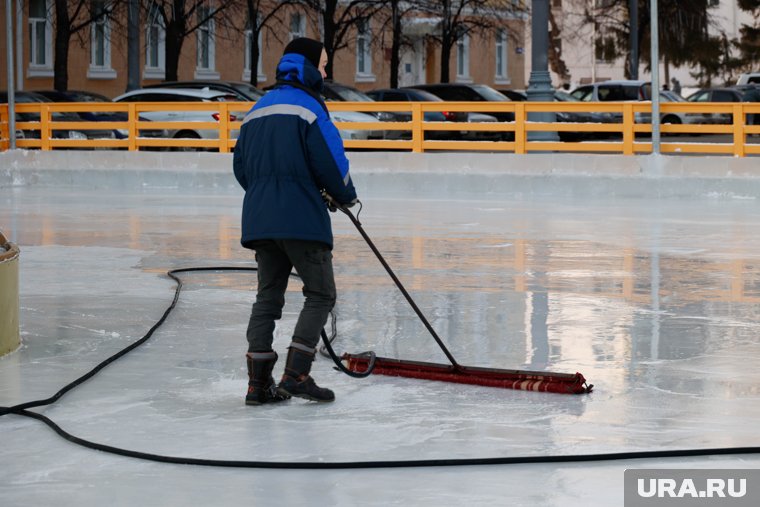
(287, 151)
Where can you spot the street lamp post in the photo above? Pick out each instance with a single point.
(10, 77)
(540, 83)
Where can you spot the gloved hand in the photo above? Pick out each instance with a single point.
(332, 205)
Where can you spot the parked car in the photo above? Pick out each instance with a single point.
(244, 92)
(567, 116)
(357, 117)
(716, 95)
(672, 117)
(83, 96)
(182, 95)
(748, 78)
(464, 92)
(615, 91)
(25, 97)
(619, 90)
(332, 91)
(413, 95)
(514, 95)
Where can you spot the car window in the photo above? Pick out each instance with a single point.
(456, 93)
(422, 95)
(724, 96)
(396, 96)
(584, 93)
(611, 92)
(564, 97)
(88, 97)
(351, 95)
(490, 94)
(703, 96)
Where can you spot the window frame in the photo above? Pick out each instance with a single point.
(301, 26)
(501, 75)
(104, 70)
(463, 59)
(364, 52)
(45, 68)
(205, 38)
(155, 21)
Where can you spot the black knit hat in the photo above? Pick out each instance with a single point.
(310, 48)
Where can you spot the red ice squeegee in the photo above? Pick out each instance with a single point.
(364, 364)
(561, 383)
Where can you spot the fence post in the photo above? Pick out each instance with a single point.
(132, 117)
(417, 133)
(224, 128)
(739, 137)
(628, 124)
(521, 135)
(45, 127)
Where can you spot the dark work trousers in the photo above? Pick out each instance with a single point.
(313, 263)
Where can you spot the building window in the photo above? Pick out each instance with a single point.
(100, 43)
(40, 39)
(502, 74)
(363, 52)
(204, 44)
(297, 26)
(463, 58)
(248, 43)
(155, 40)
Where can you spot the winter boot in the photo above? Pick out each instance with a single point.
(261, 387)
(296, 380)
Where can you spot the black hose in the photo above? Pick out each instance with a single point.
(22, 410)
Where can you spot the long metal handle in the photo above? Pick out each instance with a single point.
(398, 283)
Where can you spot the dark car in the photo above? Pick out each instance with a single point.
(566, 116)
(332, 91)
(716, 95)
(245, 92)
(84, 96)
(463, 92)
(412, 95)
(25, 97)
(514, 95)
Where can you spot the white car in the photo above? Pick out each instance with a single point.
(672, 117)
(358, 117)
(182, 95)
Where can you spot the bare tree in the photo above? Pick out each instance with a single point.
(181, 18)
(460, 18)
(260, 14)
(72, 17)
(339, 21)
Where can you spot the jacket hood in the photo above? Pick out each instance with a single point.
(297, 68)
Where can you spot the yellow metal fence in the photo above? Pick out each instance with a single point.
(628, 134)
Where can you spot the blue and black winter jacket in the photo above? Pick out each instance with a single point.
(287, 151)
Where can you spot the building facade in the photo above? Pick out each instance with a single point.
(97, 58)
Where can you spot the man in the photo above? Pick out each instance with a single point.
(288, 152)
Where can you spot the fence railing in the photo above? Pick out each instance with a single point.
(624, 130)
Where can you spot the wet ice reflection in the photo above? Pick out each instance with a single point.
(655, 302)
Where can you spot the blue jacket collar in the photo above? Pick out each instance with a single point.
(296, 68)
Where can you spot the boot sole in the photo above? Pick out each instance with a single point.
(304, 396)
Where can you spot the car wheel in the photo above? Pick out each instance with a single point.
(671, 120)
(186, 134)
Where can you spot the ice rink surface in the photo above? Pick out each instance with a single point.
(654, 300)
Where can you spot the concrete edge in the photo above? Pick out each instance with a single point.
(424, 174)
